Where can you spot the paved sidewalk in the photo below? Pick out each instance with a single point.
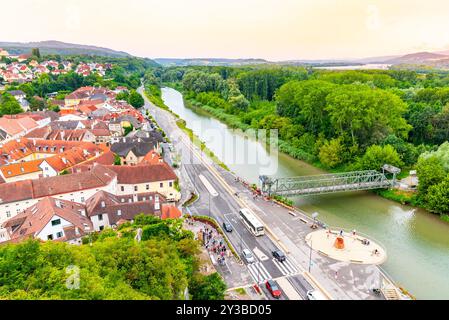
(233, 272)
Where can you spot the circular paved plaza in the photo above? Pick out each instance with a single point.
(346, 246)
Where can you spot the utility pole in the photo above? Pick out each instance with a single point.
(209, 204)
(310, 256)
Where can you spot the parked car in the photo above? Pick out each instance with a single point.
(227, 227)
(248, 256)
(315, 295)
(279, 255)
(273, 288)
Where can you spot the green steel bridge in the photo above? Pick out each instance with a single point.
(329, 183)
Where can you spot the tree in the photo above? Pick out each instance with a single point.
(37, 103)
(331, 153)
(437, 197)
(128, 129)
(122, 96)
(36, 53)
(368, 115)
(209, 287)
(9, 105)
(117, 160)
(239, 102)
(376, 156)
(305, 102)
(442, 154)
(135, 99)
(430, 171)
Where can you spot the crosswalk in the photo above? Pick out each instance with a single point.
(259, 272)
(287, 267)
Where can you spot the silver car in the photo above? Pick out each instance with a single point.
(248, 256)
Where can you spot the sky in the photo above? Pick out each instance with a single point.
(269, 29)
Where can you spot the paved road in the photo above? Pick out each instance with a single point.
(225, 207)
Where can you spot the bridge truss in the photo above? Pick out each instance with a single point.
(325, 183)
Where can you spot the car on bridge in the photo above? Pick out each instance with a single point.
(248, 256)
(273, 288)
(279, 255)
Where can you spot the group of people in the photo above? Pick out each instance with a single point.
(214, 245)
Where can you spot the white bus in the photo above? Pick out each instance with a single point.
(251, 222)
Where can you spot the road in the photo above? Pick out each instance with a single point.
(286, 233)
(224, 207)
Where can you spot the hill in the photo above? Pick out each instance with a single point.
(417, 58)
(209, 62)
(62, 48)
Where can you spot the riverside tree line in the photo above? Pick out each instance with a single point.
(337, 120)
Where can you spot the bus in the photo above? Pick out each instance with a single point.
(252, 222)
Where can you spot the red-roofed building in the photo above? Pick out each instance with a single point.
(50, 219)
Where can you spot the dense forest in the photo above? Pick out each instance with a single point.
(110, 265)
(337, 120)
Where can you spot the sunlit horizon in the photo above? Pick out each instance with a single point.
(272, 30)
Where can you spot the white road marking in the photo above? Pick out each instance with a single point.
(208, 185)
(288, 289)
(287, 267)
(258, 272)
(260, 254)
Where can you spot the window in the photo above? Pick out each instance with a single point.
(50, 237)
(56, 222)
(82, 199)
(103, 204)
(100, 217)
(170, 184)
(161, 185)
(119, 212)
(135, 188)
(148, 187)
(122, 188)
(59, 235)
(101, 228)
(8, 214)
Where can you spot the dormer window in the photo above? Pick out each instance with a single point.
(119, 212)
(103, 204)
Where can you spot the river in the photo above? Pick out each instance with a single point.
(417, 241)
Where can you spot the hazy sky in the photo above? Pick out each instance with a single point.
(270, 29)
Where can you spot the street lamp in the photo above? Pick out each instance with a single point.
(314, 216)
(310, 255)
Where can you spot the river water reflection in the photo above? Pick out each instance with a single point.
(417, 241)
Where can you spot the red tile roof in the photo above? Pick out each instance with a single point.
(33, 220)
(170, 212)
(98, 176)
(143, 173)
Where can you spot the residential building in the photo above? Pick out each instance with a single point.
(132, 150)
(49, 219)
